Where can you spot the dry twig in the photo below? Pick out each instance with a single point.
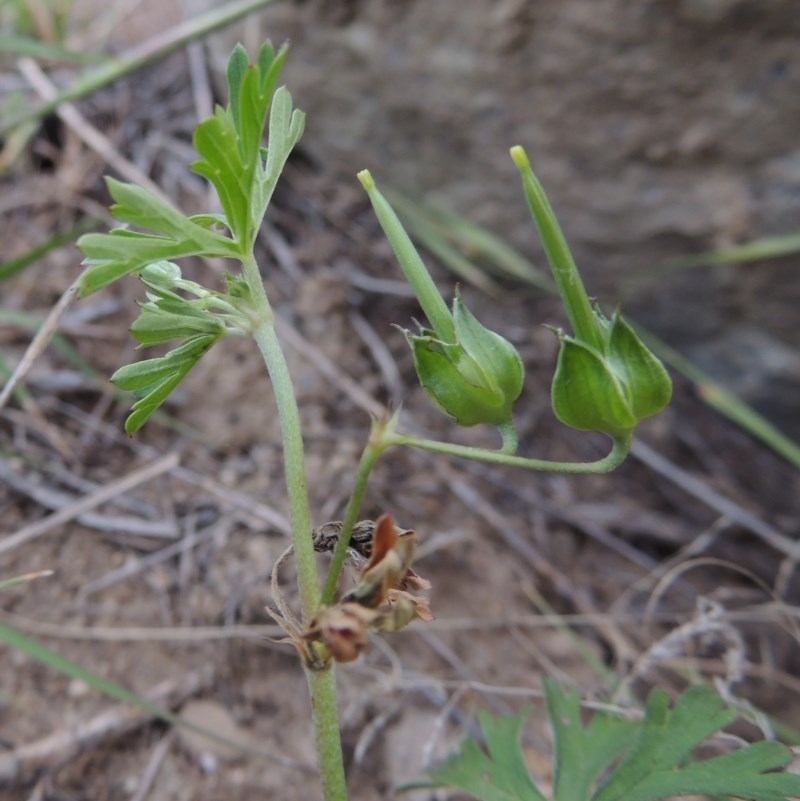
(133, 479)
(57, 748)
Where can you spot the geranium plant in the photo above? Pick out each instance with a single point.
(605, 380)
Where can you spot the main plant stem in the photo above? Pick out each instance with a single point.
(321, 683)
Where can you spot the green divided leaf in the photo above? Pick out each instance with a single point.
(285, 129)
(229, 143)
(660, 763)
(122, 252)
(221, 163)
(155, 379)
(500, 775)
(231, 158)
(614, 759)
(746, 773)
(584, 754)
(160, 323)
(250, 90)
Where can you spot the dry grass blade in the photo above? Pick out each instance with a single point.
(132, 60)
(67, 743)
(189, 635)
(700, 490)
(148, 778)
(97, 141)
(133, 479)
(54, 499)
(6, 584)
(39, 342)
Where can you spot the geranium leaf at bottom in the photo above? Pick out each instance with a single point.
(500, 775)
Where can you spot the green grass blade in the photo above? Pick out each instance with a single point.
(24, 579)
(20, 642)
(32, 323)
(58, 240)
(725, 402)
(149, 52)
(431, 223)
(770, 247)
(34, 48)
(434, 238)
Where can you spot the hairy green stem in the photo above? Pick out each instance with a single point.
(615, 457)
(325, 713)
(321, 684)
(296, 489)
(370, 455)
(508, 431)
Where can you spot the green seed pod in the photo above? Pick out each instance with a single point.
(611, 391)
(474, 380)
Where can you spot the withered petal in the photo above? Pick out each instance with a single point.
(342, 629)
(383, 539)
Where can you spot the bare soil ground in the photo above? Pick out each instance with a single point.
(166, 580)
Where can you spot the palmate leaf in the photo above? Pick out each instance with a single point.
(500, 775)
(660, 765)
(613, 759)
(583, 754)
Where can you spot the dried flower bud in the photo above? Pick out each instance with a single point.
(342, 629)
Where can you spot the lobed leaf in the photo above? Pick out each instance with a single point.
(656, 753)
(216, 141)
(583, 754)
(156, 324)
(121, 252)
(285, 129)
(138, 206)
(744, 773)
(155, 379)
(660, 764)
(230, 142)
(499, 775)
